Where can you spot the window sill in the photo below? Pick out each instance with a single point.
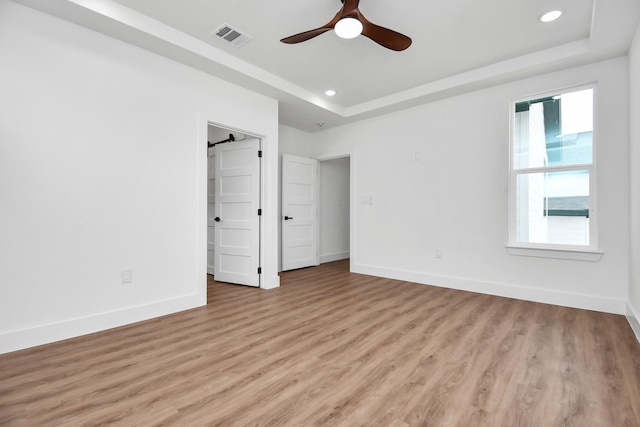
(568, 254)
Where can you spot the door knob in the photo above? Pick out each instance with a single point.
(216, 219)
(287, 218)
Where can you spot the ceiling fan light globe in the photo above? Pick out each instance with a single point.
(348, 28)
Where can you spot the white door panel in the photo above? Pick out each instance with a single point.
(237, 200)
(211, 224)
(299, 212)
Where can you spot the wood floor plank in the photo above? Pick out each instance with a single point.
(332, 348)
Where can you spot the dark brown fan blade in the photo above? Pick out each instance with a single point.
(383, 36)
(306, 35)
(301, 37)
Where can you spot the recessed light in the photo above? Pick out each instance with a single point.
(330, 92)
(551, 16)
(320, 124)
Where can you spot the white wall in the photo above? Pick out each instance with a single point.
(633, 311)
(334, 209)
(103, 169)
(434, 179)
(294, 141)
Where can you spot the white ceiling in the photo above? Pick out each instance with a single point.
(458, 45)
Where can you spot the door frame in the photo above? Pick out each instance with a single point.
(269, 201)
(351, 154)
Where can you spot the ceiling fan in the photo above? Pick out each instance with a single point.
(349, 22)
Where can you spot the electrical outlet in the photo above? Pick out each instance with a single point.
(439, 253)
(126, 276)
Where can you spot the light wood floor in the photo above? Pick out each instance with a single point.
(337, 349)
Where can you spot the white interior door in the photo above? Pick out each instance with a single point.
(237, 200)
(211, 224)
(299, 212)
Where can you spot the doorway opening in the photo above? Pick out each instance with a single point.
(335, 209)
(316, 210)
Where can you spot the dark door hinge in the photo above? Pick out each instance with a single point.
(259, 153)
(259, 270)
(259, 212)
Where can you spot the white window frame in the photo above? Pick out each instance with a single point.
(589, 252)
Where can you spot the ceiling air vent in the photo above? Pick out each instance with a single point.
(231, 35)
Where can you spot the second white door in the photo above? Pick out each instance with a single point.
(299, 212)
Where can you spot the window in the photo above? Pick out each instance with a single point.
(552, 188)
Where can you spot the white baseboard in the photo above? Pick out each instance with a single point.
(566, 299)
(633, 318)
(337, 256)
(45, 334)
